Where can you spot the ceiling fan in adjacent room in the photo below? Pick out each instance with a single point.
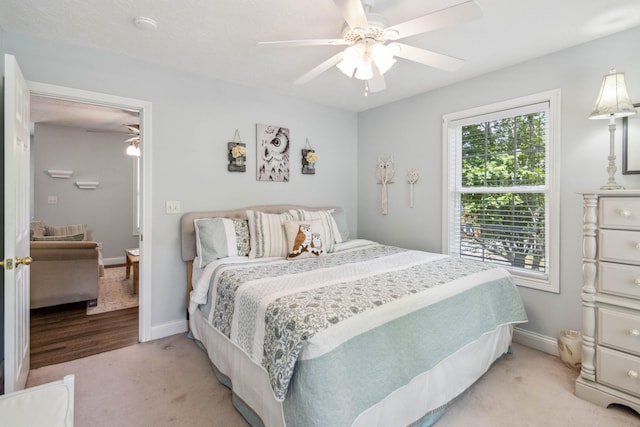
(372, 45)
(134, 141)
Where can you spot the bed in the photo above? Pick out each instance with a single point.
(308, 327)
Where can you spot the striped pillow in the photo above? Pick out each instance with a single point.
(219, 238)
(267, 234)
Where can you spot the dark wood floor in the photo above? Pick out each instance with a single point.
(65, 332)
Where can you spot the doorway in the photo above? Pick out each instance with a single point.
(143, 109)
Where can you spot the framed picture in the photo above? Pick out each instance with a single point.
(631, 144)
(272, 159)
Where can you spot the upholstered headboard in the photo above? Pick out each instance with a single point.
(188, 231)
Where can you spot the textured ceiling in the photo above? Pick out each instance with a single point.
(218, 38)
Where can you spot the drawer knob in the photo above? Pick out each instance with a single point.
(625, 213)
(634, 332)
(637, 281)
(637, 245)
(633, 374)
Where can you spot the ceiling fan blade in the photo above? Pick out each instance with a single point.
(427, 57)
(377, 82)
(296, 43)
(353, 13)
(315, 72)
(458, 14)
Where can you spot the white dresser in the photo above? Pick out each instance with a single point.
(611, 299)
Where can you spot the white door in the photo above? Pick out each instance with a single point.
(16, 226)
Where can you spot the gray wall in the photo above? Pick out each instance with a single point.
(193, 119)
(92, 156)
(411, 131)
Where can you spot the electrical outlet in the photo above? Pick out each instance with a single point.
(52, 200)
(172, 207)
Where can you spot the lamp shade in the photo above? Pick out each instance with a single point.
(613, 100)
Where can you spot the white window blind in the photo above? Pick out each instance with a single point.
(500, 188)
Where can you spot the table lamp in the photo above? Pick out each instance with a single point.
(612, 102)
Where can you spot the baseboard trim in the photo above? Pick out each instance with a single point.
(168, 329)
(114, 261)
(535, 340)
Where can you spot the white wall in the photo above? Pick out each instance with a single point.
(193, 119)
(92, 156)
(410, 130)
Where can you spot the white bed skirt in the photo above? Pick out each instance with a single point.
(424, 394)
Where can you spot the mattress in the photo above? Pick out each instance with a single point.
(368, 335)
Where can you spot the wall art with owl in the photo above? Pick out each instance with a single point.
(272, 159)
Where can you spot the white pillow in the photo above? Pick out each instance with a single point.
(305, 238)
(267, 234)
(330, 228)
(219, 238)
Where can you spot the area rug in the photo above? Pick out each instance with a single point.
(114, 292)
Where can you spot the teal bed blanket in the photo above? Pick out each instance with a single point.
(354, 325)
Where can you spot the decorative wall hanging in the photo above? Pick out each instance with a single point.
(384, 173)
(309, 159)
(237, 154)
(412, 178)
(56, 173)
(87, 185)
(272, 143)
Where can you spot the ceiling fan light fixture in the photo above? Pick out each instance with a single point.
(133, 150)
(364, 70)
(382, 56)
(351, 59)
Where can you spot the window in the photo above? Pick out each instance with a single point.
(501, 199)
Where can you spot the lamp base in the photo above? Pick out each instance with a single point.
(613, 186)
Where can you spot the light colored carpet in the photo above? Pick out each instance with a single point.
(114, 292)
(169, 382)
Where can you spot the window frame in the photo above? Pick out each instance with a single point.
(449, 192)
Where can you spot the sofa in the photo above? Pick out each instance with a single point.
(66, 265)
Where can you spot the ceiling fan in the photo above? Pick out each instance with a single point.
(134, 141)
(372, 42)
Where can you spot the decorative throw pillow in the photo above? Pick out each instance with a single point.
(219, 238)
(305, 239)
(69, 237)
(267, 234)
(65, 230)
(37, 229)
(330, 229)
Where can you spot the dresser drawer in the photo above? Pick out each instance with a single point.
(620, 246)
(619, 279)
(620, 212)
(619, 330)
(618, 370)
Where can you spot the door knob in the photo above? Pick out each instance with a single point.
(24, 261)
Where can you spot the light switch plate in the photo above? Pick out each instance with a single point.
(172, 207)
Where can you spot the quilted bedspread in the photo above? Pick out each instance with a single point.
(271, 307)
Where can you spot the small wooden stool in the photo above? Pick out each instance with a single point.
(133, 260)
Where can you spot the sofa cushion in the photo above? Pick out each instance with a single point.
(66, 238)
(65, 230)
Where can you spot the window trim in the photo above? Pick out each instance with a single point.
(552, 284)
